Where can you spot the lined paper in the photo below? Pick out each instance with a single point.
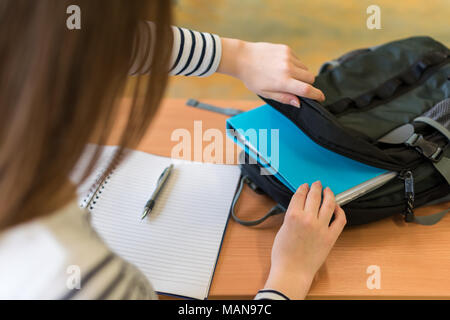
(177, 245)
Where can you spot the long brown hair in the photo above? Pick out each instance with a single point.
(61, 88)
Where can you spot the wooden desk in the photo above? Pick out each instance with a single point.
(414, 260)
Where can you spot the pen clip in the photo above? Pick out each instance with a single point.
(162, 174)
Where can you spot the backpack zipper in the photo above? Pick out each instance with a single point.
(408, 178)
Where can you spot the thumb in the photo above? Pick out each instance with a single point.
(283, 97)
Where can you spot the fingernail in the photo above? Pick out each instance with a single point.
(295, 103)
(305, 185)
(318, 183)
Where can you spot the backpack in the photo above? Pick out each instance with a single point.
(387, 106)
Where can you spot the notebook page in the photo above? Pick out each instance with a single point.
(177, 245)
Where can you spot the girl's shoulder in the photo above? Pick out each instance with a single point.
(62, 257)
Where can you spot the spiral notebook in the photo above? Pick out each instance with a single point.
(177, 245)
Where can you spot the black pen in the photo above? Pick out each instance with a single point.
(161, 182)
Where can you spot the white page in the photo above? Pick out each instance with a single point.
(177, 245)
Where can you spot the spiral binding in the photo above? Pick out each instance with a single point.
(90, 199)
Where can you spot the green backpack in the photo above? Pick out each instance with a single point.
(387, 106)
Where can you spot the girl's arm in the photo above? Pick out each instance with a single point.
(270, 70)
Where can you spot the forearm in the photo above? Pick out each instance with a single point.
(285, 286)
(294, 286)
(232, 61)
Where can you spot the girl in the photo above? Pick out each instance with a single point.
(61, 88)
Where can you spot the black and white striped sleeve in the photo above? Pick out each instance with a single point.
(269, 294)
(193, 53)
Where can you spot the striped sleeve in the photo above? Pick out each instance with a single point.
(193, 53)
(269, 294)
(111, 279)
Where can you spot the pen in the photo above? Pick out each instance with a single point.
(161, 182)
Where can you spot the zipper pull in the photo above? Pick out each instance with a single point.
(407, 176)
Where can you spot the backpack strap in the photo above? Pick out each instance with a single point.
(273, 211)
(443, 165)
(430, 219)
(441, 160)
(409, 210)
(399, 135)
(439, 127)
(439, 156)
(200, 105)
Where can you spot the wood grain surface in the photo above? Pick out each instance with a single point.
(414, 260)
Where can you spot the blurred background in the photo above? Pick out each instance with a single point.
(316, 30)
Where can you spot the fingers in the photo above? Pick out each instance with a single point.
(309, 202)
(303, 75)
(339, 221)
(303, 89)
(312, 203)
(328, 206)
(292, 57)
(283, 97)
(296, 61)
(298, 200)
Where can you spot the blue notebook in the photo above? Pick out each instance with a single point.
(300, 160)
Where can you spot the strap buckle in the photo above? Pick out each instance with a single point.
(437, 156)
(429, 149)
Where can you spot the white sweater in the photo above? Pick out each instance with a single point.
(62, 257)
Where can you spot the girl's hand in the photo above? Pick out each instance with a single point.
(270, 70)
(304, 240)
